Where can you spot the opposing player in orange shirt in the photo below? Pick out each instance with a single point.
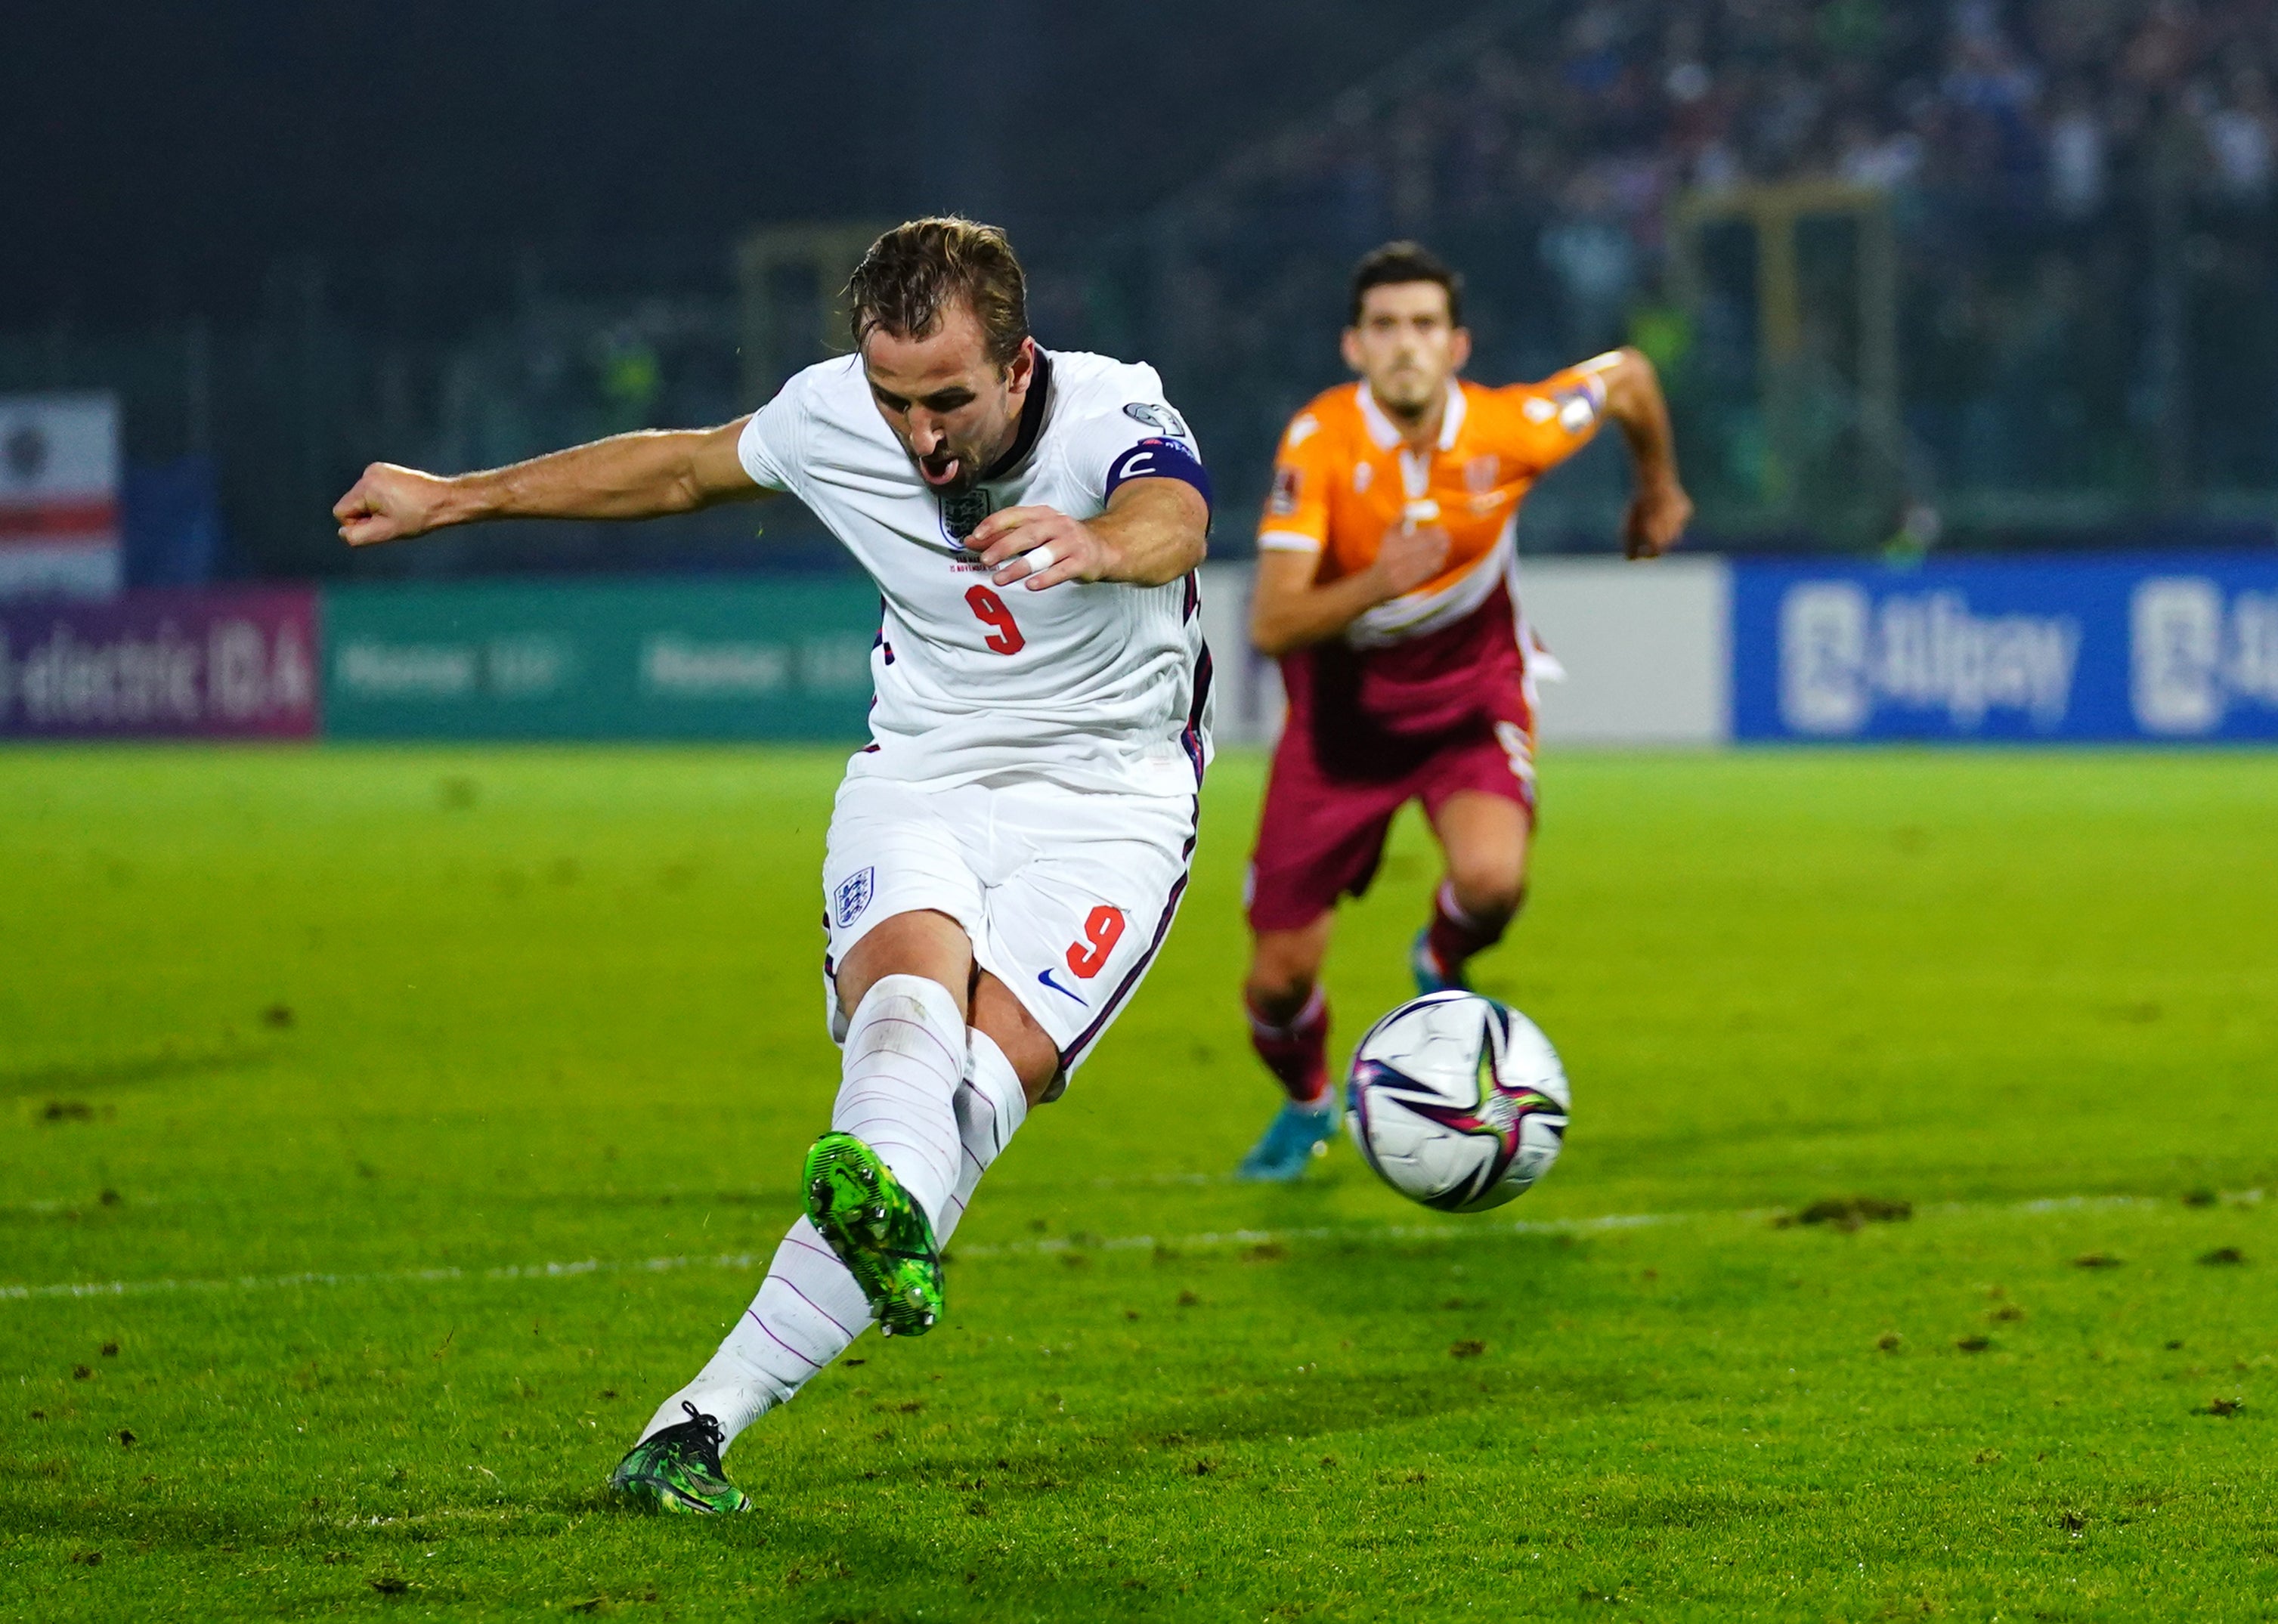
(1385, 587)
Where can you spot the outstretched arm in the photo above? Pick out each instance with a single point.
(1659, 510)
(637, 476)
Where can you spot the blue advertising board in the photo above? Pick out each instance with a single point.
(2166, 648)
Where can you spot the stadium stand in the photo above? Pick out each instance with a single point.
(2078, 193)
(1917, 274)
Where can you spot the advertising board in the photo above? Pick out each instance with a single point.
(238, 664)
(1643, 648)
(2150, 648)
(2146, 648)
(727, 658)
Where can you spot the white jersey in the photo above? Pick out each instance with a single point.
(1089, 686)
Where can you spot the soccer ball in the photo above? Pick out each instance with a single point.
(1456, 1101)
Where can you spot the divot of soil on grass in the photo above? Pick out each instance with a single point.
(1849, 1212)
(164, 1064)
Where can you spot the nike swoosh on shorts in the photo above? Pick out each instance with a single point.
(1045, 976)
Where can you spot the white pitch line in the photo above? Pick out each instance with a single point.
(262, 1283)
(50, 1207)
(1379, 1232)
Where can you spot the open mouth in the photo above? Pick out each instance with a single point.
(939, 472)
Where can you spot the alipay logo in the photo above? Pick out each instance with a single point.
(2195, 656)
(1845, 654)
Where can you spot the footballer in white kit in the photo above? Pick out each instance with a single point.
(1006, 854)
(1053, 820)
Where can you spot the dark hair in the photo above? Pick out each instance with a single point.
(914, 273)
(1405, 262)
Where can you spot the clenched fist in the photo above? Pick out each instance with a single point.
(391, 504)
(1657, 516)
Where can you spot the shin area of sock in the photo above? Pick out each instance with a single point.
(808, 1311)
(1455, 934)
(1297, 1054)
(991, 1105)
(905, 1062)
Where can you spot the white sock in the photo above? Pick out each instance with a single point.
(991, 1107)
(905, 1058)
(809, 1310)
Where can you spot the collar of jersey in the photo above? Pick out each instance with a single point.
(1386, 432)
(1032, 422)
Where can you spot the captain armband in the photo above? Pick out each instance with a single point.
(1158, 459)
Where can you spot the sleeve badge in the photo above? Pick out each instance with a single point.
(1158, 417)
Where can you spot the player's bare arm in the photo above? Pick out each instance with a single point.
(1288, 612)
(638, 476)
(1154, 531)
(1659, 510)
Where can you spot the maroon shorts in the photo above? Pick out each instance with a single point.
(1322, 832)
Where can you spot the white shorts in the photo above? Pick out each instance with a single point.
(1067, 895)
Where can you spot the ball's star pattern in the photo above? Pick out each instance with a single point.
(1500, 1112)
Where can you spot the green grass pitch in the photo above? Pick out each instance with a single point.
(433, 1111)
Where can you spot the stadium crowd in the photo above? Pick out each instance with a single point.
(2047, 111)
(2048, 162)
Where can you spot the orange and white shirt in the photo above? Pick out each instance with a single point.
(1343, 480)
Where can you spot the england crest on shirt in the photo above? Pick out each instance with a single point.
(855, 895)
(962, 514)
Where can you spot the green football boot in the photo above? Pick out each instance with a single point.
(676, 1468)
(881, 1234)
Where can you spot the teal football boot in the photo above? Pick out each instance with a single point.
(1292, 1140)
